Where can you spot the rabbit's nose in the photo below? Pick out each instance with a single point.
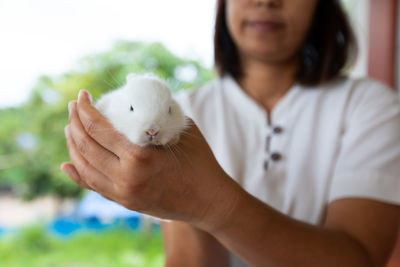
(152, 132)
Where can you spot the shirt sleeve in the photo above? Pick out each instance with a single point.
(183, 98)
(368, 163)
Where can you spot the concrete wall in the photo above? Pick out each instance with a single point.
(398, 51)
(358, 11)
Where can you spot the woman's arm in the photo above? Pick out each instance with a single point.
(190, 186)
(356, 232)
(186, 245)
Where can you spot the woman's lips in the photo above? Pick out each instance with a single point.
(264, 25)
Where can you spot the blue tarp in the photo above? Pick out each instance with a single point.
(93, 213)
(94, 205)
(97, 213)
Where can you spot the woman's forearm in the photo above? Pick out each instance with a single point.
(262, 236)
(186, 245)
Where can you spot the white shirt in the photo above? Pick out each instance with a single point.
(337, 140)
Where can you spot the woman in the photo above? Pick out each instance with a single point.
(307, 162)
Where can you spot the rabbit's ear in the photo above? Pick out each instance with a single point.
(131, 76)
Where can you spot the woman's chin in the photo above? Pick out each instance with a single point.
(268, 55)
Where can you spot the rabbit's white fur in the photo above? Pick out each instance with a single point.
(143, 103)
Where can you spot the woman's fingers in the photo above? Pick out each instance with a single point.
(89, 175)
(99, 128)
(70, 170)
(97, 156)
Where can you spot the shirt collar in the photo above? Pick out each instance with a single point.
(239, 98)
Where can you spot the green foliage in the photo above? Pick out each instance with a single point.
(34, 247)
(31, 165)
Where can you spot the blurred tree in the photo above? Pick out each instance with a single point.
(32, 143)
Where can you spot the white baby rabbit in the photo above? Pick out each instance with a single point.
(144, 111)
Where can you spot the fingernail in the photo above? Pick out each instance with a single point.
(81, 92)
(80, 95)
(66, 170)
(90, 98)
(69, 107)
(66, 131)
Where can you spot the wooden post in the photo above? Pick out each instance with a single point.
(395, 258)
(383, 28)
(382, 41)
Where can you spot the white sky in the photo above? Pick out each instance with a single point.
(48, 37)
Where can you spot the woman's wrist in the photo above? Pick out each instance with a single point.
(221, 205)
(235, 210)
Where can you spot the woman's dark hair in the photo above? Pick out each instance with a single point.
(328, 47)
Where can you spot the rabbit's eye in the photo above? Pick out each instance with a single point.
(131, 109)
(169, 110)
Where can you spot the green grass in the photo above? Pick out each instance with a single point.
(33, 247)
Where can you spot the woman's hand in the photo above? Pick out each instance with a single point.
(183, 182)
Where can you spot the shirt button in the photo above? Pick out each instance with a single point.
(277, 130)
(266, 165)
(276, 156)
